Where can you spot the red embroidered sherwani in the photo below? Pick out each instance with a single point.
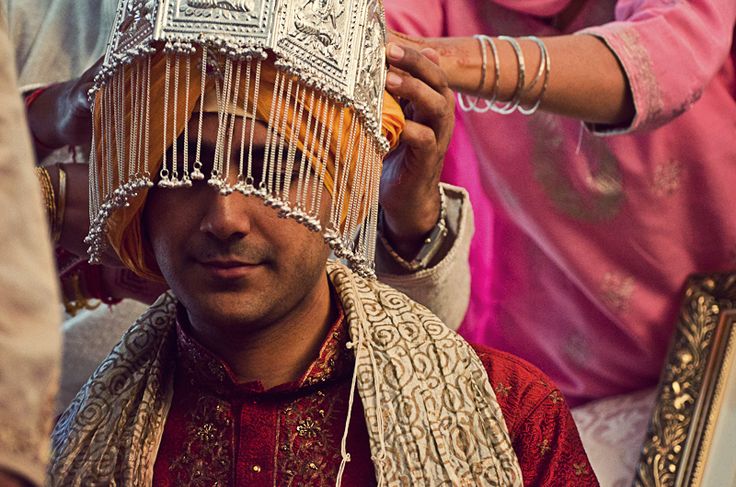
(221, 433)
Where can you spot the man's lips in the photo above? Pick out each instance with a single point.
(229, 269)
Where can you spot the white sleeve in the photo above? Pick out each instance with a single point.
(445, 287)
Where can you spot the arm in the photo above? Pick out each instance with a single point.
(59, 115)
(55, 41)
(670, 52)
(586, 81)
(449, 276)
(80, 281)
(409, 191)
(620, 73)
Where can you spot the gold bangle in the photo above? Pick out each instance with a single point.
(80, 299)
(48, 193)
(58, 225)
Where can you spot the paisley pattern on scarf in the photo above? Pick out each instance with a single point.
(109, 434)
(430, 410)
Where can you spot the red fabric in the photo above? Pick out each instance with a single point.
(33, 96)
(542, 431)
(219, 432)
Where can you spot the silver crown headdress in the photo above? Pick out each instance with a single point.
(332, 47)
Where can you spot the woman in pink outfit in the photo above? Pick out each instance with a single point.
(587, 232)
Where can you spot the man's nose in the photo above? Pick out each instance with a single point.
(226, 216)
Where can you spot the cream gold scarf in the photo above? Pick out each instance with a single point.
(431, 413)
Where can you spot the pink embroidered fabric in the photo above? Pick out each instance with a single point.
(586, 236)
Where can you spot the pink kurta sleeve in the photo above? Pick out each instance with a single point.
(401, 15)
(651, 38)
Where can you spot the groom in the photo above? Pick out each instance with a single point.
(270, 364)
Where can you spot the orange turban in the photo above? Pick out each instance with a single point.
(124, 231)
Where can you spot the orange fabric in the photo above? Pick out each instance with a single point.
(125, 232)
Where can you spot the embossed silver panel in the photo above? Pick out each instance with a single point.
(134, 26)
(241, 22)
(321, 38)
(335, 45)
(372, 67)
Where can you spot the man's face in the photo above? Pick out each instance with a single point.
(230, 259)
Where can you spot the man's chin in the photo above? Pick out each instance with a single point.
(227, 283)
(227, 308)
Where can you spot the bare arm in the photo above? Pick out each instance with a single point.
(60, 115)
(586, 80)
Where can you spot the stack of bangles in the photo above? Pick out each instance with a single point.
(81, 283)
(483, 105)
(55, 202)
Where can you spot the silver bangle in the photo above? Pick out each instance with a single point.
(496, 68)
(544, 70)
(432, 243)
(515, 101)
(472, 106)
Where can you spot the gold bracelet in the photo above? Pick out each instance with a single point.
(48, 193)
(58, 225)
(80, 299)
